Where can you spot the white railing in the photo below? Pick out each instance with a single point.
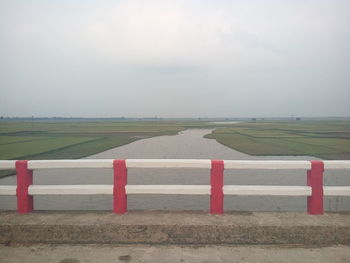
(315, 191)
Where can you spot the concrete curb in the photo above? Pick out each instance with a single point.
(153, 227)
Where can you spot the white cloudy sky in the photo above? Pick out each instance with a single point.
(185, 58)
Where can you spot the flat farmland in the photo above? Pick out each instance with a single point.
(323, 139)
(55, 140)
(76, 139)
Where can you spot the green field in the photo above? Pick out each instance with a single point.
(324, 139)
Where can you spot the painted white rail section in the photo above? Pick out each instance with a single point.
(56, 164)
(7, 165)
(271, 165)
(269, 190)
(169, 189)
(338, 164)
(168, 163)
(8, 189)
(174, 163)
(217, 168)
(250, 190)
(336, 190)
(70, 190)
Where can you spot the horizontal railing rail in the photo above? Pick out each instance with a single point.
(314, 190)
(175, 163)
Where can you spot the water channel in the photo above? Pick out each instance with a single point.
(187, 144)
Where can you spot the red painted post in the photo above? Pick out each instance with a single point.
(315, 180)
(119, 192)
(217, 183)
(24, 180)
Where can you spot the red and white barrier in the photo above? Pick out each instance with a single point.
(314, 190)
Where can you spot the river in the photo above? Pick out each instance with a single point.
(187, 144)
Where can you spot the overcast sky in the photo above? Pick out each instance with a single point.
(186, 58)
